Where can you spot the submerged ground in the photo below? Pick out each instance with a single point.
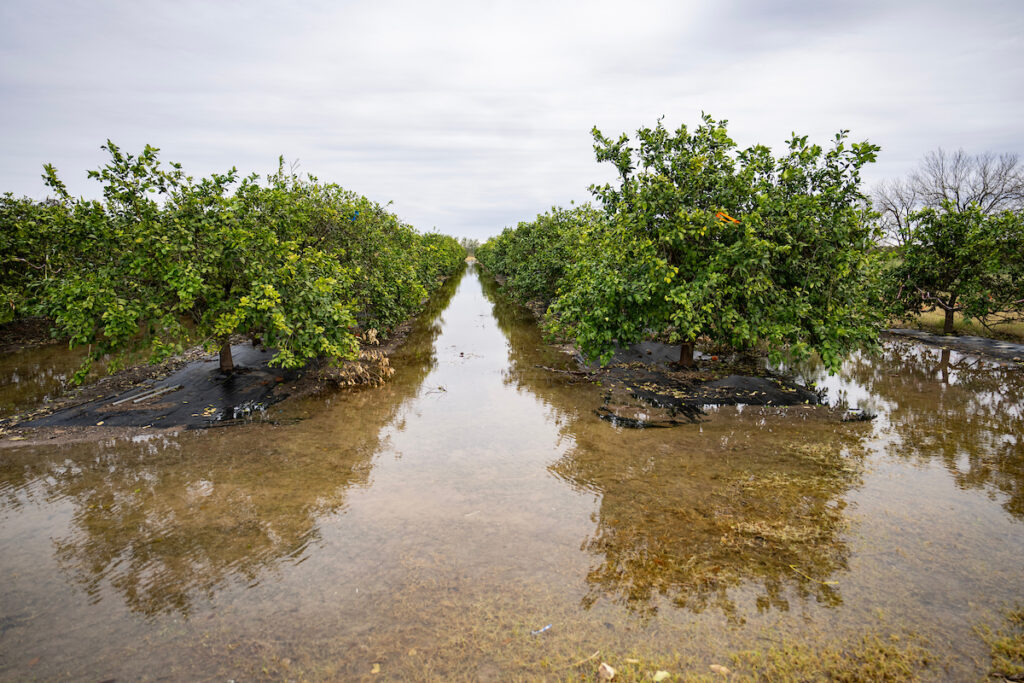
(475, 519)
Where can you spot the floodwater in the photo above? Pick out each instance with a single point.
(35, 375)
(474, 519)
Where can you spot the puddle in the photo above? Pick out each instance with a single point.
(434, 527)
(35, 375)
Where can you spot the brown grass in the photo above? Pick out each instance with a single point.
(1007, 647)
(932, 321)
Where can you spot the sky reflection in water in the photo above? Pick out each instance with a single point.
(479, 494)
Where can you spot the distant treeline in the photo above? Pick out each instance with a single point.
(164, 261)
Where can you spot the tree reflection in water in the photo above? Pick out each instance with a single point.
(964, 411)
(171, 519)
(166, 524)
(687, 514)
(690, 525)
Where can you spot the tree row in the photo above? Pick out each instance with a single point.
(164, 261)
(700, 239)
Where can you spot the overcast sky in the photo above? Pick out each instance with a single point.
(473, 116)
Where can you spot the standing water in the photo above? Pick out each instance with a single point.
(474, 519)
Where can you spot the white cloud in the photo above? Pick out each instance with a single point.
(471, 116)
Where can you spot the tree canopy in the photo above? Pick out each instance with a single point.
(702, 239)
(164, 261)
(535, 254)
(961, 261)
(956, 223)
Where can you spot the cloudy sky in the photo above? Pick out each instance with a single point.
(473, 116)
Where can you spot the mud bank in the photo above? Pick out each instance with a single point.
(646, 388)
(190, 392)
(187, 391)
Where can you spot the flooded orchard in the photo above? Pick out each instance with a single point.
(475, 519)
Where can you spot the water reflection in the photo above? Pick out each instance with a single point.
(34, 375)
(689, 514)
(451, 514)
(689, 523)
(941, 405)
(171, 519)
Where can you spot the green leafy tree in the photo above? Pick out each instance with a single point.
(163, 261)
(953, 225)
(534, 255)
(961, 261)
(31, 253)
(739, 246)
(166, 261)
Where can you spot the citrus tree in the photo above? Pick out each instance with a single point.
(954, 232)
(164, 260)
(961, 260)
(32, 252)
(703, 239)
(534, 255)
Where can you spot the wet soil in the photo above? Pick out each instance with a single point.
(645, 387)
(40, 380)
(23, 332)
(192, 393)
(197, 394)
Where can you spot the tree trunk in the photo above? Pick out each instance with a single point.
(686, 355)
(227, 363)
(947, 328)
(944, 366)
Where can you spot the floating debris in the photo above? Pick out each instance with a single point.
(857, 415)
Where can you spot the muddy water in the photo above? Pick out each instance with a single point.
(427, 529)
(34, 375)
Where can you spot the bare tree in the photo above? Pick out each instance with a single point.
(994, 183)
(896, 200)
(957, 223)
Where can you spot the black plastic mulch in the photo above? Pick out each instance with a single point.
(206, 397)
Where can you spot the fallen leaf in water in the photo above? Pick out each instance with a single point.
(605, 672)
(660, 676)
(412, 652)
(376, 668)
(719, 669)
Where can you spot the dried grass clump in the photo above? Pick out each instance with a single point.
(372, 368)
(1007, 648)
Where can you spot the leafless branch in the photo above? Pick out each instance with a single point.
(994, 183)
